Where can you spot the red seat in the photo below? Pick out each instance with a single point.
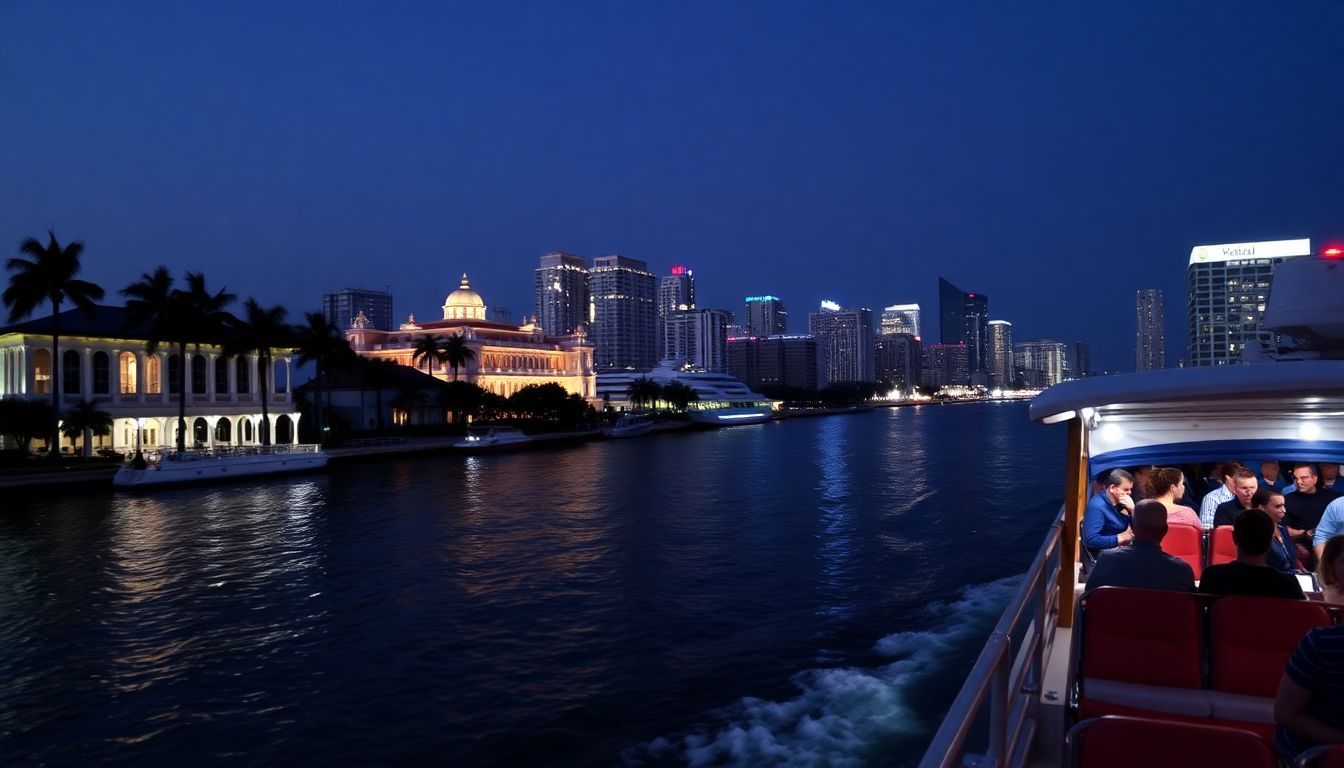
(1186, 542)
(1251, 638)
(1126, 742)
(1221, 547)
(1139, 637)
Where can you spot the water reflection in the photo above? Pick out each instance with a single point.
(835, 524)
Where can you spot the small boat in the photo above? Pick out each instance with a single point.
(485, 439)
(160, 469)
(629, 425)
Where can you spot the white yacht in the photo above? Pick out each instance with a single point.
(721, 399)
(629, 425)
(172, 468)
(481, 439)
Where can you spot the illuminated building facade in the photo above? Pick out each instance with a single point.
(1042, 362)
(623, 314)
(766, 316)
(696, 337)
(506, 357)
(676, 293)
(1002, 370)
(105, 359)
(844, 342)
(341, 307)
(900, 318)
(1150, 349)
(897, 359)
(562, 293)
(774, 361)
(963, 318)
(1228, 286)
(946, 365)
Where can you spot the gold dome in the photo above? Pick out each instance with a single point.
(464, 303)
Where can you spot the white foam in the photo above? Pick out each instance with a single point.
(843, 716)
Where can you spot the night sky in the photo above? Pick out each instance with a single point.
(1056, 156)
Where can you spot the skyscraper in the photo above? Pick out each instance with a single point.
(1228, 286)
(697, 337)
(1042, 362)
(341, 307)
(1081, 365)
(898, 360)
(676, 292)
(845, 342)
(900, 318)
(623, 314)
(1150, 349)
(945, 365)
(964, 318)
(766, 316)
(1002, 370)
(774, 361)
(562, 293)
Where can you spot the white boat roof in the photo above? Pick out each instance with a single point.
(1275, 410)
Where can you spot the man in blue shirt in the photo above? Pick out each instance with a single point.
(1106, 518)
(1331, 524)
(1309, 707)
(1273, 476)
(1143, 564)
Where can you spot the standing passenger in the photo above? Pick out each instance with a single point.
(1106, 519)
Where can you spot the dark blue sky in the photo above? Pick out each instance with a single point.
(1056, 156)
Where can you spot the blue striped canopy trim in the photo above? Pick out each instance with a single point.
(1167, 454)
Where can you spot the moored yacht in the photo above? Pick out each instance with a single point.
(481, 439)
(721, 400)
(629, 425)
(172, 468)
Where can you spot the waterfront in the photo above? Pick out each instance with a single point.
(790, 592)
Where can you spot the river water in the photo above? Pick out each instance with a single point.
(806, 592)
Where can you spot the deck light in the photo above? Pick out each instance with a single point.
(1111, 432)
(1309, 430)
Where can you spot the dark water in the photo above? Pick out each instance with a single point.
(809, 592)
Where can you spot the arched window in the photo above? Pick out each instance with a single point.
(200, 431)
(102, 374)
(221, 376)
(224, 431)
(244, 386)
(174, 370)
(284, 429)
(42, 371)
(153, 375)
(246, 431)
(126, 365)
(70, 370)
(198, 374)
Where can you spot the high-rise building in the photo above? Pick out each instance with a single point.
(623, 314)
(774, 361)
(696, 337)
(898, 360)
(900, 318)
(946, 365)
(964, 318)
(1042, 362)
(1227, 289)
(341, 307)
(562, 293)
(1002, 369)
(676, 292)
(766, 316)
(1150, 348)
(1081, 365)
(844, 342)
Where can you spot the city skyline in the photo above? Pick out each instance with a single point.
(286, 154)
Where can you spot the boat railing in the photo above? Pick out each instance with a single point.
(200, 454)
(1005, 683)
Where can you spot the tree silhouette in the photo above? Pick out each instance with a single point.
(258, 332)
(456, 352)
(84, 420)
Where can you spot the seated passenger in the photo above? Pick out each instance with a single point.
(1106, 518)
(1331, 571)
(1330, 479)
(1141, 480)
(1244, 486)
(1282, 555)
(1330, 525)
(1248, 575)
(1143, 564)
(1167, 485)
(1272, 475)
(1309, 707)
(1207, 506)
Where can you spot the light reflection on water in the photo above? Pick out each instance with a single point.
(542, 607)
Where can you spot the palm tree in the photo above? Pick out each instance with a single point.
(84, 420)
(49, 276)
(321, 343)
(456, 352)
(430, 349)
(260, 331)
(679, 395)
(177, 316)
(644, 391)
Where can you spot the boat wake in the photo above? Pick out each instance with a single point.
(849, 716)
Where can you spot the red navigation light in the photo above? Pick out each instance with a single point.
(1333, 252)
(678, 270)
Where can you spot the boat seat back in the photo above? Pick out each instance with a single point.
(1251, 638)
(1125, 742)
(1143, 636)
(1328, 756)
(1186, 542)
(1221, 547)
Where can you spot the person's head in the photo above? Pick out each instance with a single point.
(1224, 471)
(1244, 485)
(1304, 477)
(1269, 469)
(1269, 499)
(1329, 472)
(1166, 480)
(1117, 484)
(1150, 521)
(1252, 531)
(1331, 569)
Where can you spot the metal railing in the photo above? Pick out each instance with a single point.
(1006, 679)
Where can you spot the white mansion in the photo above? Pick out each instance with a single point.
(106, 360)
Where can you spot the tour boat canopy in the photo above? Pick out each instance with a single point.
(1281, 410)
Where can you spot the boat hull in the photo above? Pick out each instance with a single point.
(209, 469)
(728, 417)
